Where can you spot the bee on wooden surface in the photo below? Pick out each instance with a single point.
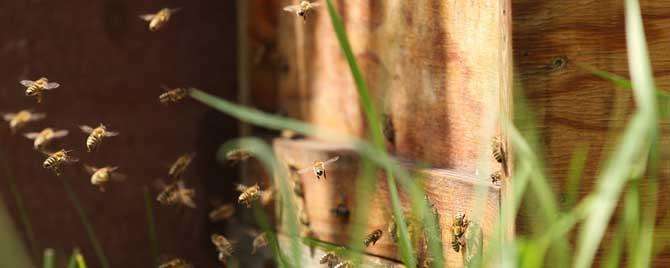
(249, 194)
(373, 237)
(260, 241)
(96, 135)
(302, 8)
(319, 168)
(176, 263)
(101, 176)
(388, 128)
(330, 258)
(173, 95)
(21, 119)
(38, 87)
(223, 246)
(160, 18)
(344, 264)
(43, 138)
(458, 228)
(175, 193)
(56, 160)
(179, 166)
(496, 177)
(222, 212)
(237, 155)
(497, 149)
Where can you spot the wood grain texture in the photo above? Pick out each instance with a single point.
(574, 108)
(450, 192)
(433, 66)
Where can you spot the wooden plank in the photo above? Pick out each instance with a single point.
(450, 192)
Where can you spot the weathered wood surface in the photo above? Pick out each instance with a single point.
(450, 192)
(574, 107)
(433, 66)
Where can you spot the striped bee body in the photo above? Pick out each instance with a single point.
(249, 194)
(173, 95)
(373, 237)
(223, 246)
(458, 228)
(36, 88)
(96, 135)
(159, 19)
(180, 165)
(56, 160)
(176, 263)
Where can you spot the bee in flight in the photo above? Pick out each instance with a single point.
(175, 193)
(38, 87)
(496, 176)
(56, 160)
(223, 246)
(330, 258)
(101, 176)
(319, 168)
(173, 95)
(260, 241)
(96, 135)
(222, 212)
(302, 8)
(237, 155)
(160, 18)
(21, 119)
(249, 194)
(373, 237)
(44, 137)
(497, 149)
(179, 166)
(458, 228)
(176, 263)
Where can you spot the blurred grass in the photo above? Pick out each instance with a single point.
(151, 226)
(48, 258)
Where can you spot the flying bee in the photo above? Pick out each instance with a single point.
(175, 193)
(330, 258)
(56, 160)
(319, 168)
(173, 95)
(222, 212)
(179, 166)
(101, 176)
(44, 137)
(302, 8)
(497, 149)
(96, 135)
(176, 263)
(373, 237)
(249, 194)
(496, 176)
(160, 18)
(458, 228)
(223, 246)
(260, 241)
(38, 87)
(21, 119)
(237, 155)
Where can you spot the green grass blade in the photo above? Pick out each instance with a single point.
(576, 171)
(72, 262)
(151, 226)
(87, 225)
(81, 263)
(48, 258)
(13, 252)
(20, 206)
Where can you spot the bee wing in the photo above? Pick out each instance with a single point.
(241, 188)
(305, 170)
(37, 116)
(31, 135)
(90, 169)
(147, 17)
(60, 134)
(8, 116)
(86, 129)
(118, 176)
(111, 133)
(72, 159)
(315, 4)
(52, 85)
(331, 160)
(27, 83)
(292, 8)
(174, 10)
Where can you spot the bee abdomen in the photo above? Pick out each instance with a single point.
(92, 142)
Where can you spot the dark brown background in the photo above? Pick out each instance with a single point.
(111, 67)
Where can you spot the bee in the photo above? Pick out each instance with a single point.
(175, 193)
(21, 119)
(495, 177)
(160, 18)
(249, 194)
(393, 230)
(101, 176)
(176, 263)
(38, 87)
(223, 246)
(237, 155)
(173, 95)
(330, 258)
(179, 166)
(44, 137)
(373, 237)
(302, 8)
(56, 160)
(260, 241)
(222, 212)
(96, 135)
(388, 129)
(458, 228)
(344, 264)
(319, 168)
(497, 150)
